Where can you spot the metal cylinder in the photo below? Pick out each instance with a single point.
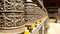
(11, 17)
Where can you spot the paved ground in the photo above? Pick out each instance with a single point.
(54, 28)
(51, 21)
